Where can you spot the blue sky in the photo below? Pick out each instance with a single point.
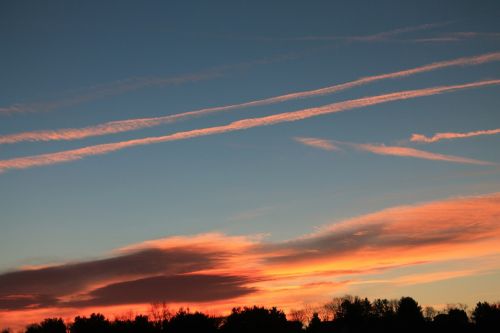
(71, 64)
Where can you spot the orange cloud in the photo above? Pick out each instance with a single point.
(390, 150)
(135, 124)
(206, 271)
(416, 153)
(437, 231)
(451, 135)
(318, 143)
(77, 154)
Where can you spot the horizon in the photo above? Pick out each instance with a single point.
(212, 155)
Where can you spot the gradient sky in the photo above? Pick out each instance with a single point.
(365, 197)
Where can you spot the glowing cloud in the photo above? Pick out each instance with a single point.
(77, 154)
(348, 253)
(139, 123)
(317, 143)
(429, 232)
(380, 149)
(416, 153)
(451, 135)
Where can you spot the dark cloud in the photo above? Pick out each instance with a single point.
(328, 244)
(41, 287)
(15, 302)
(358, 237)
(176, 288)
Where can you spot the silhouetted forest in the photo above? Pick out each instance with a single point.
(345, 314)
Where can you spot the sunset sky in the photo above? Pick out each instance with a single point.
(220, 153)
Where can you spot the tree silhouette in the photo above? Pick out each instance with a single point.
(186, 322)
(409, 315)
(160, 315)
(487, 317)
(49, 325)
(314, 324)
(255, 319)
(141, 324)
(455, 320)
(96, 323)
(383, 314)
(347, 314)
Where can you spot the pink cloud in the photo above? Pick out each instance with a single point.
(139, 123)
(317, 143)
(77, 154)
(416, 153)
(380, 149)
(451, 135)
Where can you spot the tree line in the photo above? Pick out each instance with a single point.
(345, 314)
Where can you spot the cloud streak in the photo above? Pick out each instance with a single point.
(381, 36)
(459, 36)
(420, 138)
(140, 123)
(381, 149)
(317, 143)
(78, 154)
(131, 84)
(416, 153)
(107, 90)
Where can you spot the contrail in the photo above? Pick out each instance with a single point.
(108, 89)
(77, 154)
(132, 84)
(381, 149)
(140, 123)
(416, 153)
(459, 36)
(451, 135)
(385, 35)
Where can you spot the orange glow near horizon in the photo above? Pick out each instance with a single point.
(317, 266)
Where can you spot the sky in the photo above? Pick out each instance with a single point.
(214, 154)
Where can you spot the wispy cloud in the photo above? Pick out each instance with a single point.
(351, 252)
(317, 143)
(381, 149)
(459, 36)
(130, 84)
(381, 36)
(416, 153)
(140, 123)
(420, 138)
(414, 279)
(107, 90)
(77, 154)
